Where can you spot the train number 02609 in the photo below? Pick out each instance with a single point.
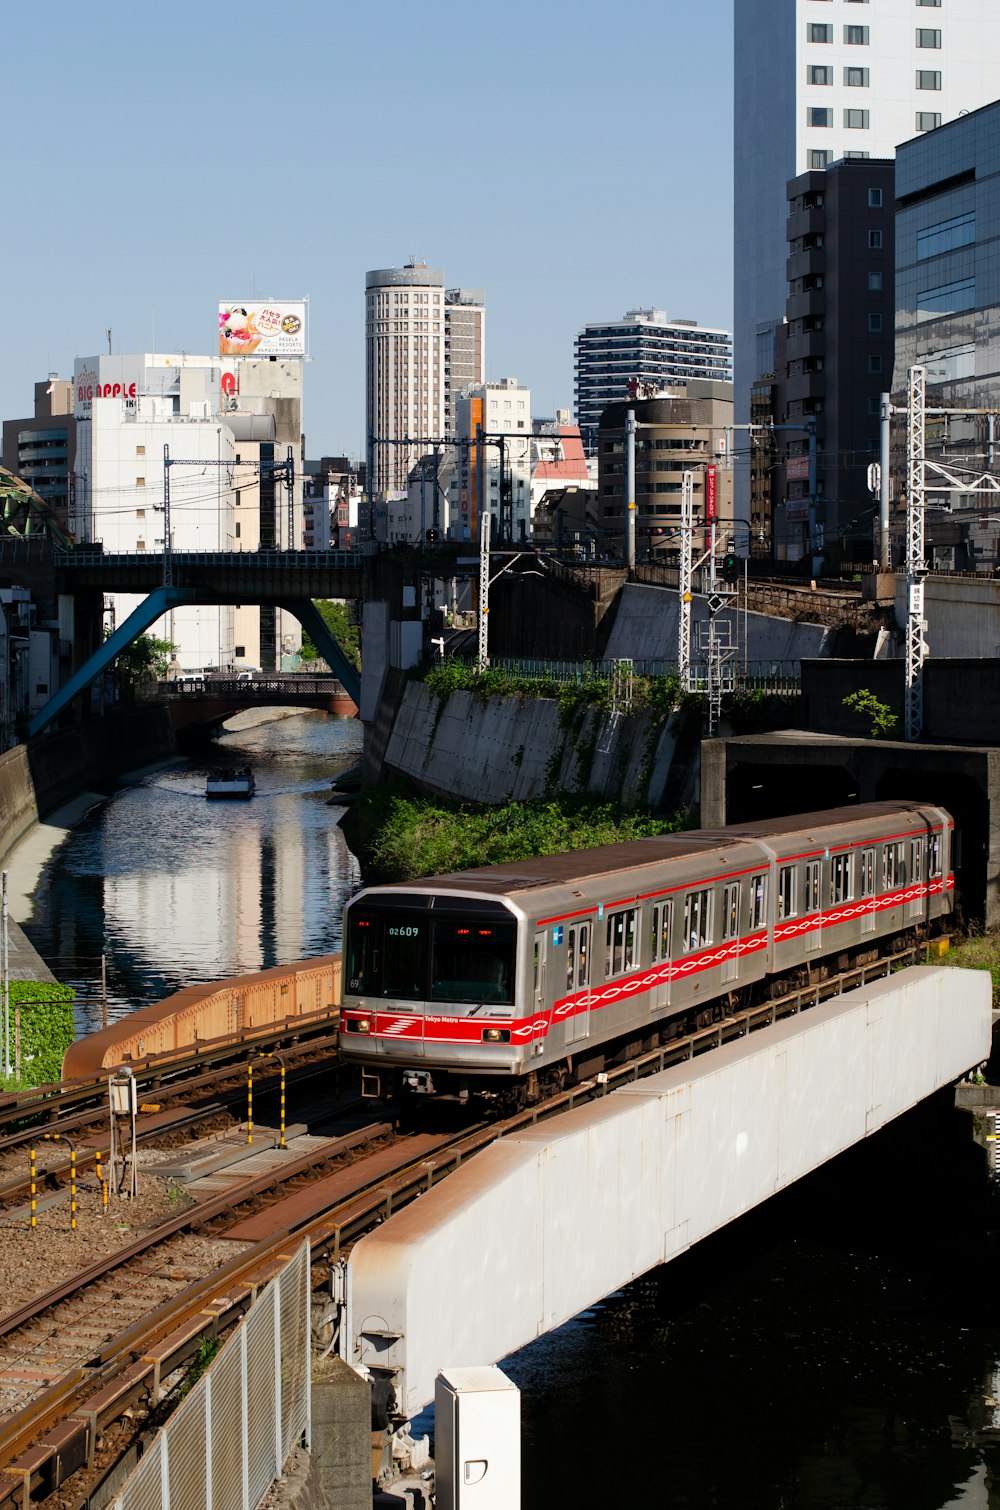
(404, 933)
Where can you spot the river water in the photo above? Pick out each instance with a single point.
(838, 1348)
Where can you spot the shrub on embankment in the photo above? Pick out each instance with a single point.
(41, 1024)
(399, 836)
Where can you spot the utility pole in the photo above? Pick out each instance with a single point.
(916, 569)
(483, 652)
(685, 574)
(884, 551)
(168, 573)
(630, 504)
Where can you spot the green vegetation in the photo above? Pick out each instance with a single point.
(400, 837)
(979, 951)
(659, 694)
(208, 1347)
(46, 1031)
(883, 720)
(145, 657)
(338, 621)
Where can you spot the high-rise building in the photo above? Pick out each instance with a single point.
(639, 355)
(820, 80)
(405, 368)
(41, 448)
(464, 346)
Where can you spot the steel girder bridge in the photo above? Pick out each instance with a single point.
(281, 579)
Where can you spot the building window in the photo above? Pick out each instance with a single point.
(816, 116)
(857, 78)
(819, 31)
(818, 73)
(140, 513)
(140, 482)
(935, 3)
(875, 241)
(819, 157)
(140, 450)
(928, 37)
(946, 236)
(874, 325)
(928, 120)
(874, 199)
(237, 529)
(856, 36)
(874, 406)
(946, 299)
(856, 120)
(874, 364)
(928, 78)
(874, 283)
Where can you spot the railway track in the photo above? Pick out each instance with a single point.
(79, 1378)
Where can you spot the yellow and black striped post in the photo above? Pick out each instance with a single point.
(102, 1182)
(34, 1189)
(72, 1189)
(250, 1102)
(281, 1143)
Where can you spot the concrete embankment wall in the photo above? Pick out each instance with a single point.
(645, 629)
(510, 749)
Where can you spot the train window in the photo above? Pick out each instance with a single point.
(731, 911)
(583, 956)
(758, 902)
(893, 869)
(570, 958)
(660, 945)
(866, 873)
(916, 860)
(620, 954)
(934, 855)
(840, 878)
(362, 952)
(786, 892)
(812, 886)
(471, 960)
(404, 958)
(697, 919)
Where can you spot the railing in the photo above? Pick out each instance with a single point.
(323, 560)
(290, 684)
(229, 1439)
(772, 676)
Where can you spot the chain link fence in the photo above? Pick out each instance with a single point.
(227, 1442)
(775, 676)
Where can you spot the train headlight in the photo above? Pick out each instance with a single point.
(359, 1025)
(496, 1035)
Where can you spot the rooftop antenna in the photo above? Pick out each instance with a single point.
(109, 340)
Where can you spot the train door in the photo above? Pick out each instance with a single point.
(578, 982)
(539, 998)
(916, 907)
(813, 909)
(660, 951)
(866, 889)
(731, 931)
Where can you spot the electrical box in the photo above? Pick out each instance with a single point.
(477, 1449)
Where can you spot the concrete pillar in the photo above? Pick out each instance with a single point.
(341, 1435)
(713, 783)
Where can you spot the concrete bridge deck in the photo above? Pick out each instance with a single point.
(553, 1218)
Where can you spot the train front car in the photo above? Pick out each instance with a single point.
(432, 986)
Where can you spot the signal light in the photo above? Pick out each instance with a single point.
(730, 568)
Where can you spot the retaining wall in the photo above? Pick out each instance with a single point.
(511, 749)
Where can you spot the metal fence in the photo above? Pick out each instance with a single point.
(227, 1442)
(767, 676)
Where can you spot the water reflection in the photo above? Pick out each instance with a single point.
(176, 890)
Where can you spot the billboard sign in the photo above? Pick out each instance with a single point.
(104, 377)
(262, 328)
(711, 503)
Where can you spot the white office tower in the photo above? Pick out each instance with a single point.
(819, 80)
(405, 368)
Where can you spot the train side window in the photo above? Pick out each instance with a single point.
(583, 956)
(866, 887)
(934, 855)
(840, 878)
(787, 902)
(813, 869)
(894, 871)
(697, 919)
(570, 958)
(731, 911)
(916, 860)
(758, 902)
(666, 928)
(654, 943)
(620, 953)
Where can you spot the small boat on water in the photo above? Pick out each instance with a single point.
(230, 784)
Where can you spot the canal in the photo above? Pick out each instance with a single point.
(837, 1348)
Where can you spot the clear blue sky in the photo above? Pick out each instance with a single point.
(575, 160)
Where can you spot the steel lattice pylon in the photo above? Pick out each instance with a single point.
(483, 655)
(916, 645)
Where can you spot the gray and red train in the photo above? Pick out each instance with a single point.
(505, 980)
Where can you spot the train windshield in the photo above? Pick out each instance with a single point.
(426, 956)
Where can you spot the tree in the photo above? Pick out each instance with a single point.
(864, 701)
(145, 657)
(338, 622)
